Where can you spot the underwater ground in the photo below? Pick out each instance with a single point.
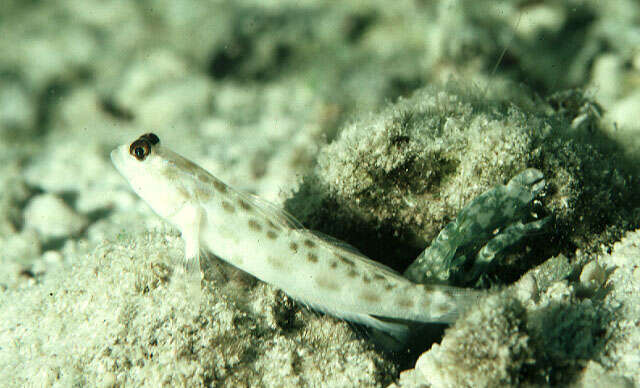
(373, 124)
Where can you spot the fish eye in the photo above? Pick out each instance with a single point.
(140, 149)
(151, 137)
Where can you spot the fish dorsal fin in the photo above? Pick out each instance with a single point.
(390, 271)
(271, 211)
(283, 218)
(350, 250)
(336, 242)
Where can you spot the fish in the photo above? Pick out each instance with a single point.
(265, 241)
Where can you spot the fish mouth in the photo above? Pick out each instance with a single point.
(117, 157)
(113, 157)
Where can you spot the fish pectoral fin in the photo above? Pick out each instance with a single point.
(190, 221)
(189, 276)
(191, 218)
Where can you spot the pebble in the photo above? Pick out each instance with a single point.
(592, 276)
(52, 218)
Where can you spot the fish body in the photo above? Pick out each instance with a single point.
(271, 245)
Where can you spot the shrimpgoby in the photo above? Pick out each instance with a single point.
(270, 244)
